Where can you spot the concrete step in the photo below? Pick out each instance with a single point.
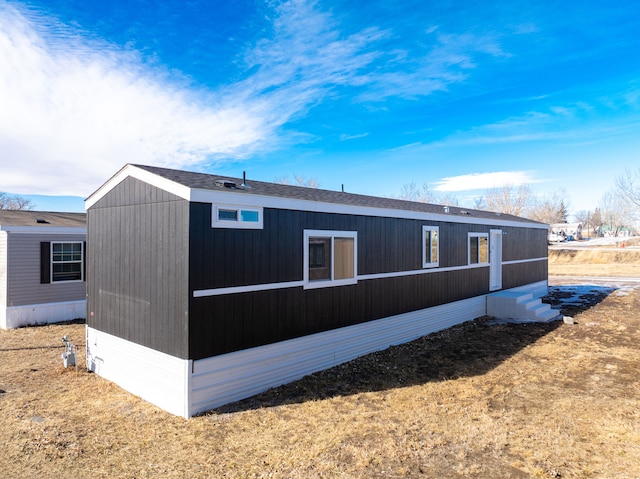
(519, 307)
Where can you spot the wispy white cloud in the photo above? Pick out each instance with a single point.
(483, 181)
(75, 108)
(74, 112)
(569, 123)
(447, 61)
(345, 137)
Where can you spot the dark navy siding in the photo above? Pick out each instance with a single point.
(222, 258)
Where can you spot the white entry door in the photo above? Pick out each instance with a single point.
(495, 260)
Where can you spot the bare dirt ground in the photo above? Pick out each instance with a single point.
(476, 400)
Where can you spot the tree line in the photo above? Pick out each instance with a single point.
(14, 202)
(618, 209)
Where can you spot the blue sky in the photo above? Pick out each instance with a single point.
(462, 96)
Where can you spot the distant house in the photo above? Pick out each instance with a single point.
(204, 289)
(568, 231)
(42, 267)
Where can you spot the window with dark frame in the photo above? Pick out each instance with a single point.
(66, 261)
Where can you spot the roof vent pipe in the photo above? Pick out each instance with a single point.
(446, 209)
(244, 179)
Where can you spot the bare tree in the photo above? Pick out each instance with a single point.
(550, 209)
(448, 200)
(616, 212)
(15, 202)
(479, 203)
(627, 187)
(425, 194)
(298, 180)
(510, 199)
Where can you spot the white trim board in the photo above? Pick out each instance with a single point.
(254, 200)
(203, 293)
(46, 230)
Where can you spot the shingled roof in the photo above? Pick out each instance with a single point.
(205, 181)
(42, 218)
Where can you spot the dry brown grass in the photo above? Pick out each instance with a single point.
(595, 262)
(477, 400)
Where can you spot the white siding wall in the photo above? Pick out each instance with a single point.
(32, 314)
(161, 379)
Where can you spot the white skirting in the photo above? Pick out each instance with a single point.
(34, 314)
(186, 388)
(157, 377)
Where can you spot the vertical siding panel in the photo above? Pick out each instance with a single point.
(140, 253)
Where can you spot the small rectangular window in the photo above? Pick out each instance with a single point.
(430, 246)
(237, 217)
(249, 215)
(227, 215)
(66, 261)
(478, 248)
(330, 258)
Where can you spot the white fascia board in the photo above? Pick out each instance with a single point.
(45, 230)
(227, 196)
(248, 199)
(142, 175)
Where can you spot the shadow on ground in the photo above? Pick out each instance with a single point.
(469, 349)
(572, 299)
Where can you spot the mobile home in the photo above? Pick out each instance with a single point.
(42, 267)
(203, 289)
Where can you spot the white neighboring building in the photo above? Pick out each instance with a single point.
(571, 231)
(42, 267)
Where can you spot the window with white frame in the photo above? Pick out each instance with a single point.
(67, 261)
(242, 217)
(430, 246)
(478, 248)
(330, 258)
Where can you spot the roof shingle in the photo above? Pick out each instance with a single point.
(207, 181)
